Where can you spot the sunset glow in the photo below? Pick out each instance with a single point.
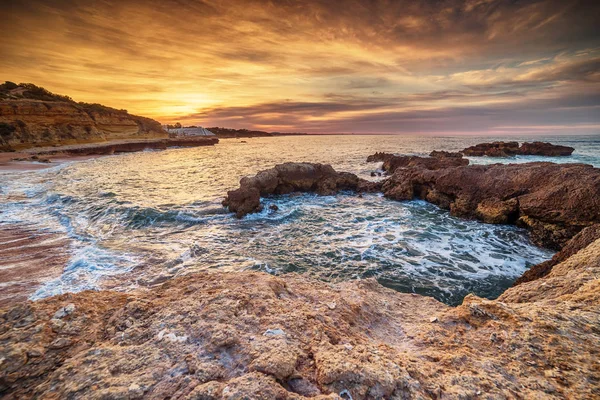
(461, 66)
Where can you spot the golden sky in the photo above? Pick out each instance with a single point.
(456, 66)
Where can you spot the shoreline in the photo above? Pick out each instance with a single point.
(36, 158)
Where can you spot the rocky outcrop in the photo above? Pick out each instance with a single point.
(507, 149)
(578, 242)
(554, 201)
(255, 336)
(545, 149)
(392, 162)
(442, 154)
(291, 177)
(28, 119)
(378, 157)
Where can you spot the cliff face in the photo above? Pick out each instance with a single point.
(28, 121)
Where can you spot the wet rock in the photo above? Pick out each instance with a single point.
(494, 149)
(506, 149)
(554, 201)
(443, 154)
(273, 207)
(64, 311)
(288, 178)
(392, 162)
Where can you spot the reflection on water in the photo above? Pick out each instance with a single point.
(156, 213)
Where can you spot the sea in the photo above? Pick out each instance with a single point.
(135, 220)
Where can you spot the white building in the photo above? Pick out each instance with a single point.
(200, 131)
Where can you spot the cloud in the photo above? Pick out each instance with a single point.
(318, 65)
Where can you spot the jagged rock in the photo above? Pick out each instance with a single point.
(539, 339)
(554, 201)
(506, 149)
(392, 162)
(545, 149)
(578, 242)
(442, 154)
(378, 157)
(291, 177)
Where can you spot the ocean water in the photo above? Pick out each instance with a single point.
(141, 218)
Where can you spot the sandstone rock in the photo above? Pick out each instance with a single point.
(545, 149)
(494, 149)
(442, 154)
(291, 177)
(554, 201)
(539, 338)
(506, 149)
(392, 162)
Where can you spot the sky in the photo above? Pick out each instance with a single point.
(319, 66)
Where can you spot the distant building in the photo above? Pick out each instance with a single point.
(195, 131)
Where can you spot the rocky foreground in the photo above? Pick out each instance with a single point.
(255, 336)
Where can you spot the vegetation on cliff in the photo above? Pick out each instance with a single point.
(33, 116)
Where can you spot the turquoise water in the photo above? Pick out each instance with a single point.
(140, 218)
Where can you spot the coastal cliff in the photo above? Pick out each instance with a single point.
(31, 116)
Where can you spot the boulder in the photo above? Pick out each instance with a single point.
(292, 177)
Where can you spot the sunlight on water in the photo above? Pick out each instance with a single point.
(153, 214)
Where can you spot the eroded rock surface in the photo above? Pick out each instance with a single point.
(292, 177)
(506, 149)
(392, 162)
(256, 336)
(554, 201)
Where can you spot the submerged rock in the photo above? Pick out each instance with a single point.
(204, 336)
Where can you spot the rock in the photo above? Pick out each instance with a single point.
(291, 177)
(443, 154)
(433, 319)
(554, 201)
(494, 149)
(60, 343)
(375, 343)
(578, 242)
(545, 149)
(373, 174)
(506, 149)
(274, 332)
(378, 157)
(64, 311)
(392, 162)
(273, 207)
(135, 391)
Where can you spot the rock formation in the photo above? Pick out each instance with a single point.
(31, 116)
(291, 177)
(506, 149)
(255, 336)
(392, 162)
(442, 154)
(554, 201)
